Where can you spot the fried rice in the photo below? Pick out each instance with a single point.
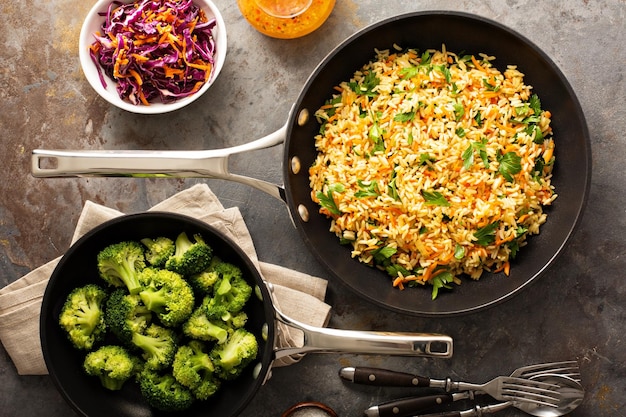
(434, 165)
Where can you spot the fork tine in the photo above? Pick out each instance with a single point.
(532, 385)
(566, 368)
(531, 391)
(550, 364)
(543, 367)
(532, 401)
(529, 394)
(573, 374)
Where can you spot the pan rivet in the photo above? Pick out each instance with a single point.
(303, 212)
(303, 117)
(295, 165)
(265, 331)
(257, 370)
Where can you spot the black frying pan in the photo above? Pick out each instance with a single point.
(460, 32)
(85, 394)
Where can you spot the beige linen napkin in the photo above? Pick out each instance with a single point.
(296, 294)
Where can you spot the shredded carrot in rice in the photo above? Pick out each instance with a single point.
(434, 165)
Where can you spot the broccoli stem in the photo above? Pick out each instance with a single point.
(111, 383)
(153, 347)
(217, 332)
(154, 300)
(183, 243)
(129, 276)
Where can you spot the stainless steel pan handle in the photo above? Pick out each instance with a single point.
(327, 340)
(175, 164)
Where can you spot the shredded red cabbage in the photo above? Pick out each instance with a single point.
(155, 49)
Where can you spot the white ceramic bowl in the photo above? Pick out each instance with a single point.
(92, 24)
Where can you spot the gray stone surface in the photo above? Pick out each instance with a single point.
(578, 310)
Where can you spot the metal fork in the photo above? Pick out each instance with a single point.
(502, 388)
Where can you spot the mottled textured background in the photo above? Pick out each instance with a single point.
(578, 310)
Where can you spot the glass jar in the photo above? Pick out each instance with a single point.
(286, 19)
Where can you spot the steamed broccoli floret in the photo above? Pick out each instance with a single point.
(158, 250)
(126, 315)
(131, 322)
(201, 328)
(158, 345)
(82, 316)
(167, 294)
(230, 293)
(163, 392)
(231, 357)
(237, 320)
(119, 263)
(113, 364)
(203, 282)
(189, 257)
(193, 368)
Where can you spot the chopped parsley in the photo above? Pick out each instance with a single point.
(392, 188)
(485, 236)
(367, 85)
(535, 131)
(441, 280)
(328, 201)
(491, 86)
(459, 251)
(459, 111)
(522, 110)
(445, 71)
(383, 254)
(514, 244)
(478, 119)
(404, 117)
(435, 198)
(426, 159)
(367, 190)
(535, 104)
(409, 72)
(376, 136)
(510, 164)
(394, 270)
(468, 154)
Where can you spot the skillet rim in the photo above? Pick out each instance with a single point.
(372, 295)
(129, 401)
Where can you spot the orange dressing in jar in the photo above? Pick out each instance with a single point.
(286, 19)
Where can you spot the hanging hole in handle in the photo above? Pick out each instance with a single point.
(47, 162)
(439, 347)
(309, 409)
